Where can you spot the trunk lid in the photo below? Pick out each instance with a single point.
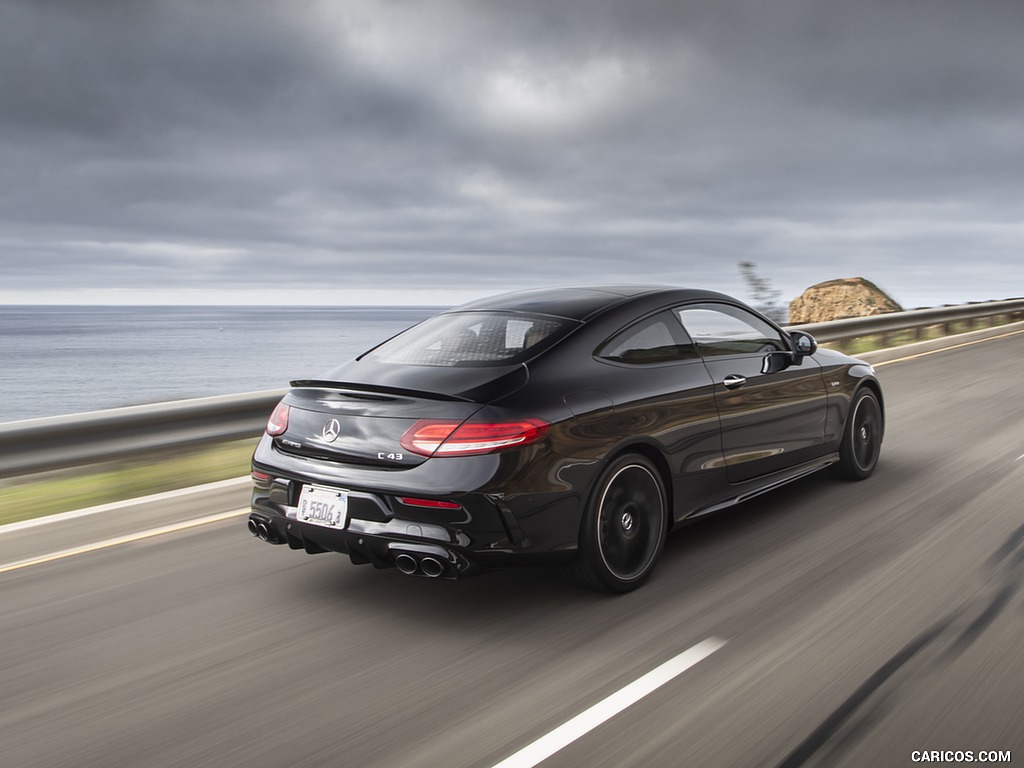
(363, 422)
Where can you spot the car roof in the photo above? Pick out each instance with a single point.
(578, 302)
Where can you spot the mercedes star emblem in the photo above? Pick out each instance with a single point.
(331, 430)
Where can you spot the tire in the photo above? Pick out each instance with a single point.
(623, 529)
(862, 437)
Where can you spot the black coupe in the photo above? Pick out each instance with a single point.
(563, 425)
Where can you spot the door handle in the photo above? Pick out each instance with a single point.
(732, 381)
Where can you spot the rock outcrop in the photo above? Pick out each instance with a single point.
(836, 299)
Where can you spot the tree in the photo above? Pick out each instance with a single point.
(766, 299)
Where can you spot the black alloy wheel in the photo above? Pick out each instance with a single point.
(862, 438)
(624, 527)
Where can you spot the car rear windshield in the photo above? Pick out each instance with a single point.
(471, 339)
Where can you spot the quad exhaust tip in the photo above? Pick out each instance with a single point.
(406, 564)
(262, 530)
(432, 567)
(418, 564)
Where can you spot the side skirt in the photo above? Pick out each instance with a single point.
(765, 484)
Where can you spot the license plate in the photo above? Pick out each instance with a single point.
(323, 506)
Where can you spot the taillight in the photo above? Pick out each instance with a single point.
(437, 437)
(277, 424)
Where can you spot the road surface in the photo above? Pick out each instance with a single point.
(845, 624)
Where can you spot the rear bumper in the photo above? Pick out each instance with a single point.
(414, 556)
(486, 531)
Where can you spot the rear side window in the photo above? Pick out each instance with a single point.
(471, 339)
(658, 339)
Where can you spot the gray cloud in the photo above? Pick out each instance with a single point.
(439, 149)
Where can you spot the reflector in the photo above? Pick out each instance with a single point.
(431, 503)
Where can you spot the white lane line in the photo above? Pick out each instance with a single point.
(117, 540)
(115, 505)
(1019, 457)
(588, 720)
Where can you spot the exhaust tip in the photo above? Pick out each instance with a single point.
(253, 529)
(263, 532)
(406, 564)
(432, 567)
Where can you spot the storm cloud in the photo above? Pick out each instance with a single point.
(426, 152)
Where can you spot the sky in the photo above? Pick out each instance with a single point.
(431, 152)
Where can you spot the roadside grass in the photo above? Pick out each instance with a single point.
(862, 344)
(64, 490)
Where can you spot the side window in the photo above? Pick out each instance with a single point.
(658, 339)
(722, 329)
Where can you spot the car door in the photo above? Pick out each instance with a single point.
(660, 388)
(769, 421)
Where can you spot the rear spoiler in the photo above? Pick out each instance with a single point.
(356, 390)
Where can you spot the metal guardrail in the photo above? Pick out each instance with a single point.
(917, 320)
(36, 445)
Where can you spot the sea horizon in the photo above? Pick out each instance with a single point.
(62, 359)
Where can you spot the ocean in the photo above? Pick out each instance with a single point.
(57, 360)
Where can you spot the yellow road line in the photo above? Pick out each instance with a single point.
(946, 349)
(74, 514)
(81, 550)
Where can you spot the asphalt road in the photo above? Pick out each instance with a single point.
(862, 622)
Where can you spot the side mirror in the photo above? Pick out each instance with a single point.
(776, 361)
(803, 343)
